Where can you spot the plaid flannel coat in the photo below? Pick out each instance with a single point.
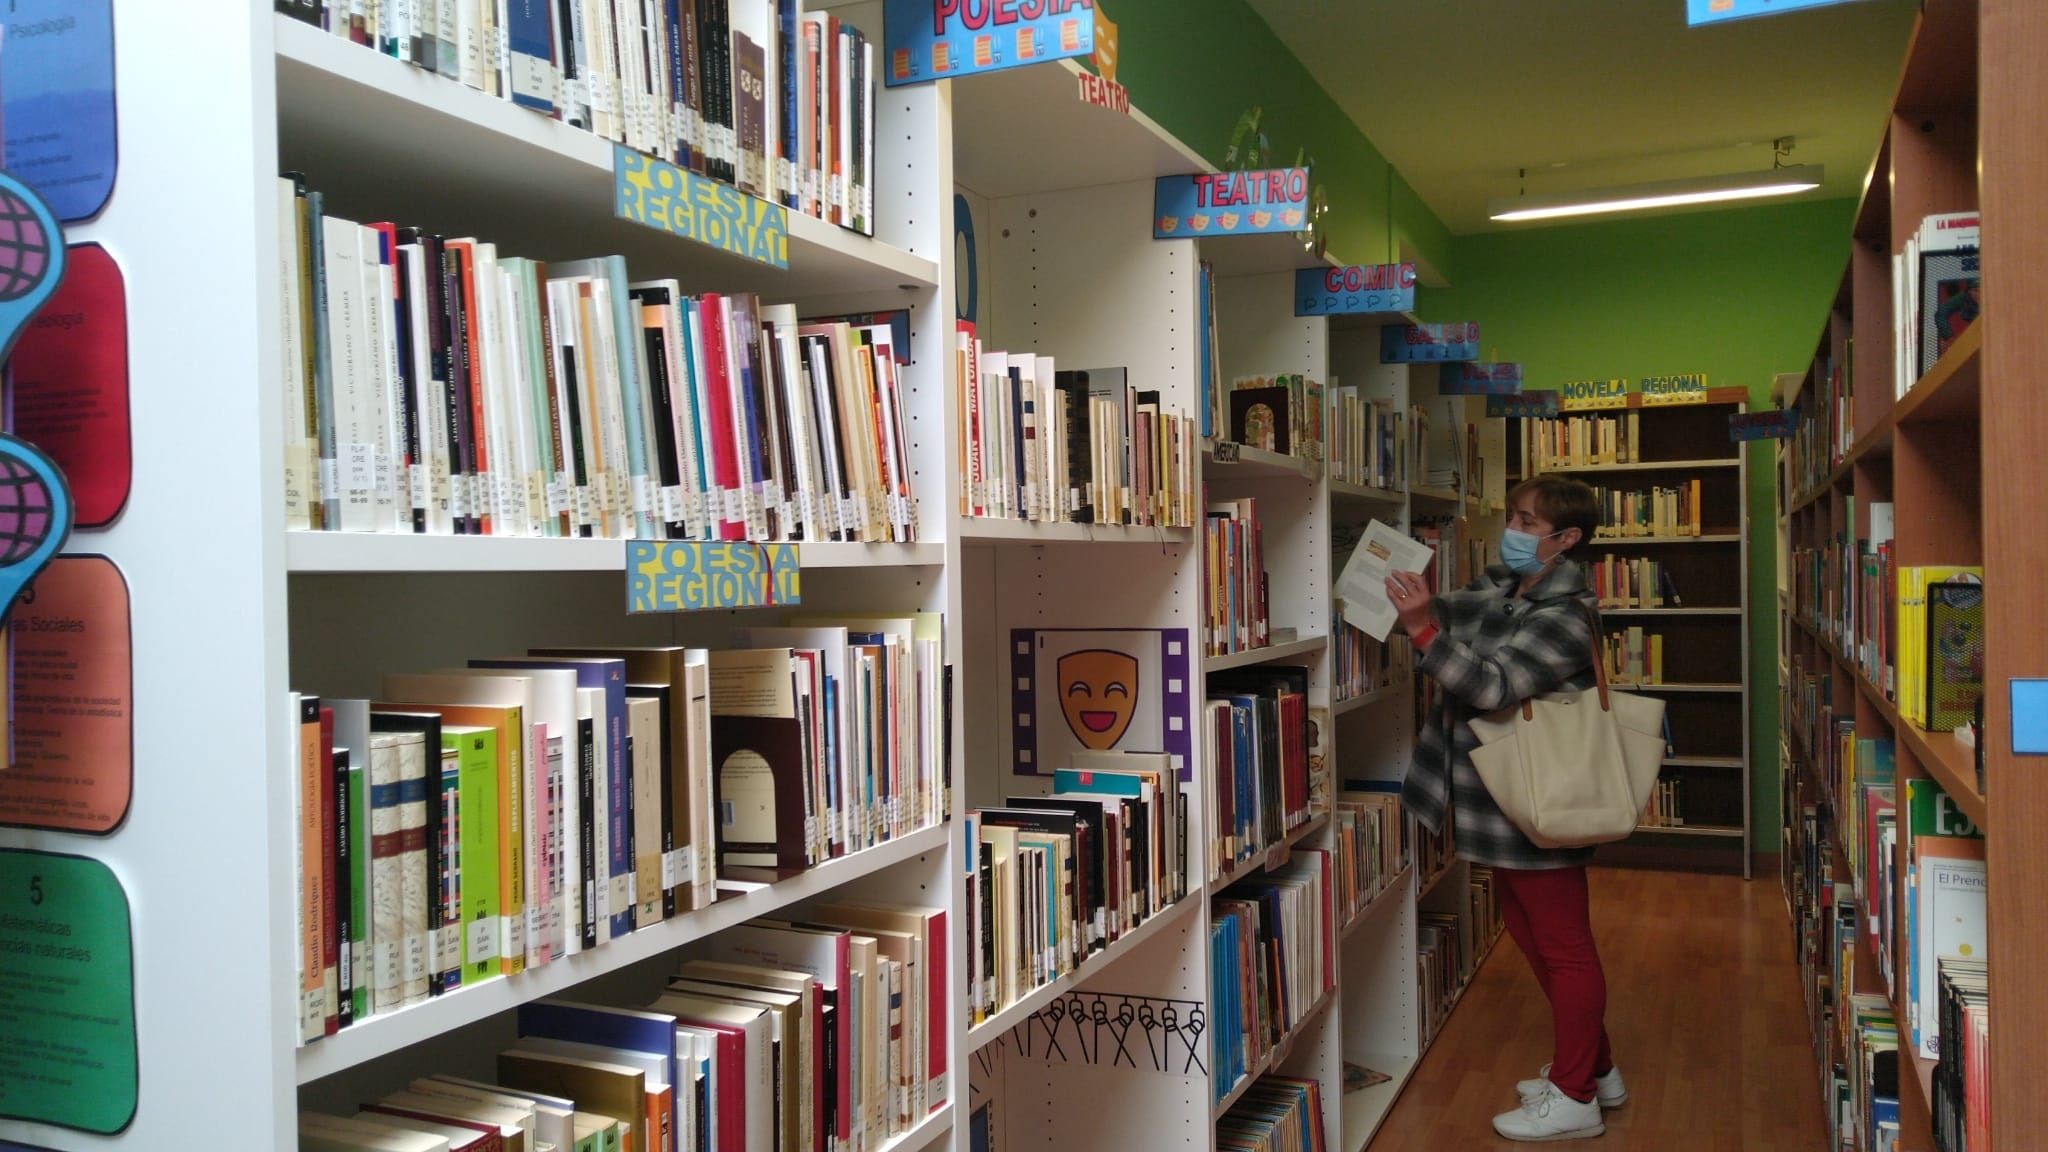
(1494, 649)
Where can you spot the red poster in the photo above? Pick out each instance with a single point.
(69, 691)
(69, 384)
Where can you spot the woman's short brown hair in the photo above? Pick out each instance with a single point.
(1565, 502)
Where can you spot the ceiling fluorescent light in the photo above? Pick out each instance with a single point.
(1661, 194)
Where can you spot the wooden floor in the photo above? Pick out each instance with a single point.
(1703, 1007)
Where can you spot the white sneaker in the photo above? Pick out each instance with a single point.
(1551, 1115)
(1608, 1089)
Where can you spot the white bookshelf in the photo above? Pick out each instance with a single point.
(232, 612)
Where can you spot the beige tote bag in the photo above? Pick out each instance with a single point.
(1573, 768)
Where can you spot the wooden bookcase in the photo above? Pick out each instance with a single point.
(1959, 457)
(1705, 684)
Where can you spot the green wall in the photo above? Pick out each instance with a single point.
(1196, 66)
(1738, 294)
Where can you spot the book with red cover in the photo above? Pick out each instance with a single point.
(488, 1138)
(330, 928)
(715, 314)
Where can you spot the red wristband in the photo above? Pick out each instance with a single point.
(1421, 639)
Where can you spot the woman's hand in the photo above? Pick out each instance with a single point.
(1412, 599)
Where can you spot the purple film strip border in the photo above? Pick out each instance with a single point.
(1176, 672)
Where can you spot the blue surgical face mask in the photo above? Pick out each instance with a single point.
(1518, 551)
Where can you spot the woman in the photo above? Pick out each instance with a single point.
(1523, 628)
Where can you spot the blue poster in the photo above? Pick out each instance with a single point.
(658, 195)
(1230, 203)
(1472, 379)
(57, 101)
(1774, 424)
(1361, 289)
(1429, 343)
(1538, 405)
(926, 40)
(1699, 12)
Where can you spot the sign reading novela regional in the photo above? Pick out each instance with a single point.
(1360, 289)
(1584, 395)
(1472, 379)
(658, 195)
(1699, 12)
(1230, 203)
(926, 40)
(1537, 405)
(693, 576)
(1429, 343)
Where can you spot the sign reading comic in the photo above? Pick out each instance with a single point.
(927, 40)
(1361, 289)
(695, 576)
(658, 195)
(1473, 379)
(1230, 203)
(1429, 343)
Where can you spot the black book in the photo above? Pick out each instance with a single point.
(1097, 862)
(304, 11)
(344, 896)
(586, 798)
(666, 458)
(1073, 391)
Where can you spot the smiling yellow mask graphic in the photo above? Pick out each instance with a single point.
(1098, 695)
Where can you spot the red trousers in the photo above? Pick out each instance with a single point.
(1546, 912)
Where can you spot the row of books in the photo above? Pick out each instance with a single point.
(1257, 743)
(1282, 414)
(1579, 441)
(1275, 1114)
(1941, 645)
(1666, 806)
(433, 386)
(775, 101)
(1236, 601)
(1962, 1075)
(826, 1035)
(1272, 959)
(1369, 440)
(1366, 823)
(1937, 293)
(1670, 510)
(1446, 953)
(1068, 447)
(1633, 656)
(481, 822)
(1053, 879)
(1632, 582)
(1486, 914)
(1434, 851)
(1460, 553)
(1363, 665)
(1827, 429)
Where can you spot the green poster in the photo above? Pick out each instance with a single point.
(67, 993)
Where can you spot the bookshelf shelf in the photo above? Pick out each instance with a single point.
(1364, 700)
(987, 532)
(365, 552)
(1950, 390)
(1008, 126)
(1687, 830)
(1271, 653)
(1429, 883)
(1435, 498)
(1952, 765)
(1365, 493)
(1001, 1022)
(1639, 466)
(1679, 687)
(504, 172)
(1660, 541)
(924, 1134)
(1704, 762)
(1670, 612)
(391, 1032)
(1364, 1109)
(1256, 462)
(1274, 856)
(1395, 888)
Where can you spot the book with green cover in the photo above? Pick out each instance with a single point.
(478, 836)
(359, 879)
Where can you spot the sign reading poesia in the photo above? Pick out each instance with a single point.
(695, 576)
(656, 194)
